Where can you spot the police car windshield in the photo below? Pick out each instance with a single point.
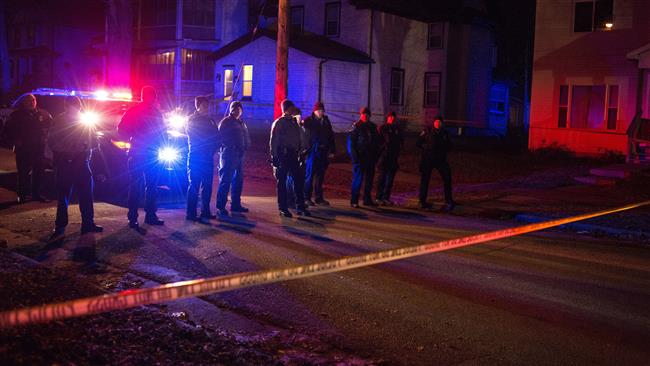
(110, 110)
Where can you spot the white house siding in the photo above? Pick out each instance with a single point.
(344, 92)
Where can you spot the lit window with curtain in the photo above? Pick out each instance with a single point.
(247, 81)
(588, 106)
(228, 79)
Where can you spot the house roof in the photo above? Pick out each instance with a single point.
(639, 52)
(429, 11)
(309, 43)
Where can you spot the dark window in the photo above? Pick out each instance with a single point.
(564, 106)
(432, 89)
(297, 19)
(592, 15)
(332, 19)
(158, 19)
(397, 86)
(612, 107)
(435, 35)
(199, 19)
(158, 12)
(603, 14)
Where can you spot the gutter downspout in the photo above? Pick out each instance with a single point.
(372, 18)
(320, 79)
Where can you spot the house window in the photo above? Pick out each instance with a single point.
(199, 19)
(159, 66)
(592, 15)
(247, 81)
(612, 107)
(564, 106)
(435, 35)
(158, 19)
(196, 65)
(228, 78)
(332, 19)
(397, 86)
(432, 89)
(158, 12)
(297, 19)
(588, 106)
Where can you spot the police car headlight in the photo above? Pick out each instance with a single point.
(177, 121)
(89, 118)
(168, 155)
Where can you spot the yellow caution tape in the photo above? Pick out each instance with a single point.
(179, 290)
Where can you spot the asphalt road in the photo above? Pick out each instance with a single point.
(544, 298)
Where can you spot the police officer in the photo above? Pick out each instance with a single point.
(71, 141)
(286, 145)
(363, 145)
(320, 139)
(435, 143)
(202, 138)
(391, 141)
(235, 140)
(26, 129)
(145, 128)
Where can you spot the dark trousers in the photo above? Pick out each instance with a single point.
(385, 181)
(200, 173)
(362, 172)
(73, 173)
(425, 175)
(231, 179)
(29, 159)
(282, 173)
(143, 173)
(315, 168)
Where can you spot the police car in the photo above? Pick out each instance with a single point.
(103, 110)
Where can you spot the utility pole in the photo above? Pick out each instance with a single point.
(282, 58)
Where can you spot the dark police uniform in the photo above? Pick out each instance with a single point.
(320, 139)
(27, 130)
(363, 144)
(143, 124)
(71, 143)
(286, 144)
(202, 137)
(235, 140)
(435, 144)
(391, 139)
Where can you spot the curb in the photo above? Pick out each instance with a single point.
(636, 234)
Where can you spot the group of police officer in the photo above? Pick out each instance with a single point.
(371, 147)
(300, 152)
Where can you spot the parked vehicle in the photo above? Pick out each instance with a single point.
(103, 110)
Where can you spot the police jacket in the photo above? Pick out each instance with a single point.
(71, 138)
(234, 136)
(28, 129)
(435, 144)
(391, 141)
(202, 135)
(363, 142)
(287, 138)
(319, 135)
(144, 126)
